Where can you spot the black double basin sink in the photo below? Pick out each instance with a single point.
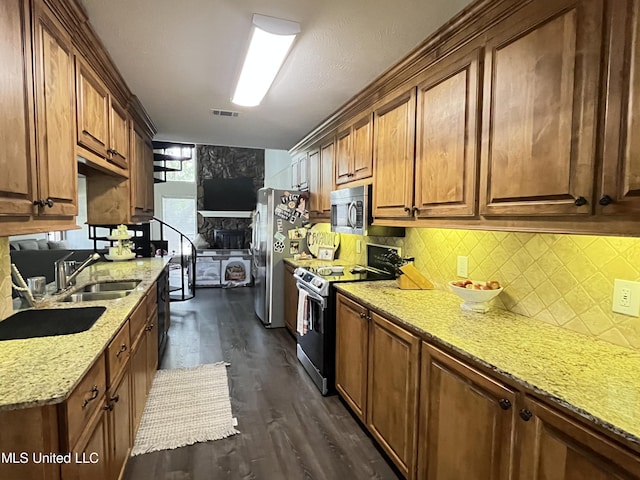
(49, 322)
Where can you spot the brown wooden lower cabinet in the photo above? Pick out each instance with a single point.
(377, 366)
(467, 421)
(442, 418)
(138, 382)
(352, 350)
(556, 447)
(119, 416)
(152, 346)
(392, 390)
(290, 299)
(93, 452)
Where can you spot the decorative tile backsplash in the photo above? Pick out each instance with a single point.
(565, 280)
(6, 305)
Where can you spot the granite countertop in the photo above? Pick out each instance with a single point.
(44, 371)
(598, 380)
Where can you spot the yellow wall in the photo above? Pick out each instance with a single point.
(6, 307)
(565, 280)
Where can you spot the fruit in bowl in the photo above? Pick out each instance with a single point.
(475, 294)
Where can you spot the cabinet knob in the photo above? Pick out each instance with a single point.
(115, 398)
(525, 414)
(414, 210)
(48, 202)
(123, 349)
(605, 200)
(149, 328)
(363, 315)
(504, 403)
(407, 209)
(580, 201)
(38, 203)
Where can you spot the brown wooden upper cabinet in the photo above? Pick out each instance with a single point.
(141, 177)
(620, 183)
(57, 170)
(314, 183)
(354, 156)
(393, 155)
(321, 183)
(541, 78)
(447, 137)
(102, 121)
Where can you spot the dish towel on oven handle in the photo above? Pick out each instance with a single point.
(303, 317)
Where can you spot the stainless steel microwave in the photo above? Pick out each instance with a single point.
(351, 213)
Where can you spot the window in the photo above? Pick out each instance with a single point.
(180, 213)
(188, 172)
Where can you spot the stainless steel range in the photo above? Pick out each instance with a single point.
(317, 309)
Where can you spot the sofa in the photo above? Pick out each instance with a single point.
(37, 257)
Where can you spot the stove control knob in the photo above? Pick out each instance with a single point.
(317, 282)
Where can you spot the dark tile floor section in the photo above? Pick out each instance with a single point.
(288, 430)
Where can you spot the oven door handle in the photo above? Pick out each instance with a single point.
(314, 296)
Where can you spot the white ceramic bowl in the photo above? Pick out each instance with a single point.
(474, 300)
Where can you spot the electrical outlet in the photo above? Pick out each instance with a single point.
(358, 246)
(626, 297)
(463, 266)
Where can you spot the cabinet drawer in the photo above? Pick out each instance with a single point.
(84, 400)
(137, 321)
(118, 353)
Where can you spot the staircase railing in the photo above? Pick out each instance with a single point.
(188, 261)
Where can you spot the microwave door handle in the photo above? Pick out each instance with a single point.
(352, 215)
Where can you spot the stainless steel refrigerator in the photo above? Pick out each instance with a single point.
(278, 232)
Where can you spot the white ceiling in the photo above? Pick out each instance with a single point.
(181, 58)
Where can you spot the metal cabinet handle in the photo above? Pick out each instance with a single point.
(94, 394)
(580, 201)
(605, 200)
(407, 209)
(504, 403)
(38, 203)
(149, 328)
(48, 202)
(525, 414)
(123, 349)
(414, 210)
(363, 315)
(115, 398)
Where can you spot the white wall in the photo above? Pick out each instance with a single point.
(277, 169)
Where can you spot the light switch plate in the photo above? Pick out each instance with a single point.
(463, 266)
(358, 246)
(626, 297)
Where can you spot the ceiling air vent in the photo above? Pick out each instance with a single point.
(224, 113)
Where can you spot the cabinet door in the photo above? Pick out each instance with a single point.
(55, 118)
(393, 156)
(352, 346)
(17, 191)
(152, 347)
(119, 426)
(555, 447)
(620, 190)
(393, 390)
(93, 109)
(466, 422)
(326, 176)
(290, 299)
(542, 68)
(344, 170)
(303, 172)
(447, 139)
(118, 134)
(92, 451)
(295, 174)
(363, 147)
(137, 178)
(314, 182)
(138, 369)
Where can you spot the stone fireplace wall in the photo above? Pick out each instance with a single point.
(227, 162)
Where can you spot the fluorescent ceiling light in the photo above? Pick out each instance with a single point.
(271, 39)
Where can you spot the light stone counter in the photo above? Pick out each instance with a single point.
(597, 380)
(313, 262)
(43, 371)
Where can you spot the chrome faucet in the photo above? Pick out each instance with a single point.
(67, 271)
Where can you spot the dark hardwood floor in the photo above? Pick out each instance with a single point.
(288, 430)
